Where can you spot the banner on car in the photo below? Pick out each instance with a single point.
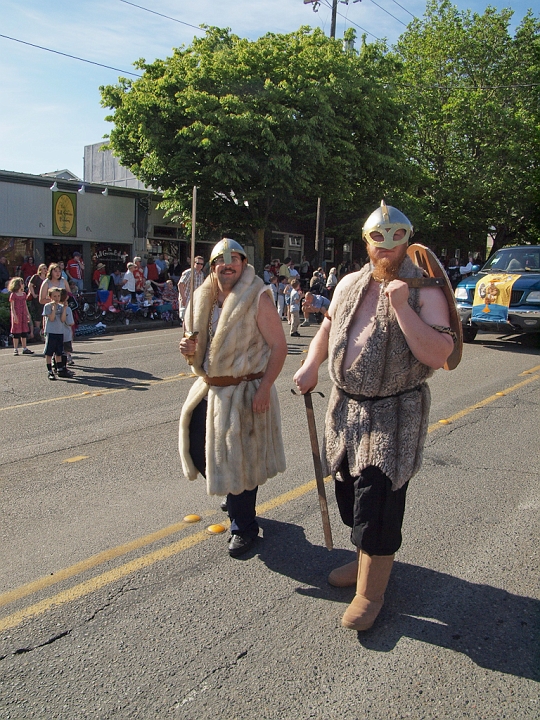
(492, 297)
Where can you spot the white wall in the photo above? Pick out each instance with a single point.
(26, 211)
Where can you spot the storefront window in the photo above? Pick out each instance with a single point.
(112, 256)
(16, 251)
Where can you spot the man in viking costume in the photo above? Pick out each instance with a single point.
(230, 426)
(383, 340)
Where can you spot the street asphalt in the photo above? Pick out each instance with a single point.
(111, 606)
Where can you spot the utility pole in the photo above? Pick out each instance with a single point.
(334, 17)
(321, 206)
(316, 4)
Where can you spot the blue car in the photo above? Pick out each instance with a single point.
(507, 299)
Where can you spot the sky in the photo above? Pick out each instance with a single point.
(50, 104)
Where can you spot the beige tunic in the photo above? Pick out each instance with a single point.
(243, 448)
(388, 433)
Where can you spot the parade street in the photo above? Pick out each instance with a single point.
(112, 606)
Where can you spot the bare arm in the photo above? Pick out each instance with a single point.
(308, 376)
(271, 329)
(428, 346)
(43, 292)
(182, 291)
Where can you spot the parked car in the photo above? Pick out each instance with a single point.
(521, 266)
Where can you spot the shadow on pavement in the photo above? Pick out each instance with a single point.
(494, 628)
(111, 378)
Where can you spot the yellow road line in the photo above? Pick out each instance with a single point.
(110, 576)
(89, 586)
(481, 404)
(86, 394)
(532, 370)
(92, 561)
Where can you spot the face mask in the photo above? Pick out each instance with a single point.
(388, 234)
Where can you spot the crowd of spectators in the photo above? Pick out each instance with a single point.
(161, 284)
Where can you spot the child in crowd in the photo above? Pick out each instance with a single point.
(20, 315)
(68, 330)
(55, 316)
(294, 307)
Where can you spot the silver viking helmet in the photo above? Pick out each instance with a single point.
(387, 220)
(225, 247)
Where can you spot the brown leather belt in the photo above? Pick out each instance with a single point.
(226, 380)
(375, 398)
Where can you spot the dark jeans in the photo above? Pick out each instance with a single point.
(374, 511)
(241, 508)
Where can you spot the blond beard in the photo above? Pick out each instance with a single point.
(386, 269)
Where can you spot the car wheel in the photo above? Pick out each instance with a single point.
(469, 333)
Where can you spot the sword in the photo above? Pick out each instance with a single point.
(318, 467)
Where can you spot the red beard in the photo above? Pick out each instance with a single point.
(386, 269)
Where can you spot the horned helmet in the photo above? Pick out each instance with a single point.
(387, 220)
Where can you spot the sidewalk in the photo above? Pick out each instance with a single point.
(115, 328)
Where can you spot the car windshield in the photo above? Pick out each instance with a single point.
(517, 260)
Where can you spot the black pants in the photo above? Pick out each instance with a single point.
(374, 511)
(241, 508)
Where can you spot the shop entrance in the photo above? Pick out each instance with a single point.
(54, 252)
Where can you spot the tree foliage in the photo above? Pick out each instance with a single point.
(472, 130)
(259, 126)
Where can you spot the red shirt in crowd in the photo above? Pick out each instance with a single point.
(74, 269)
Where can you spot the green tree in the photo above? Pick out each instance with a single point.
(472, 130)
(258, 126)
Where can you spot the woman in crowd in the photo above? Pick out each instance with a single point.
(54, 279)
(36, 310)
(128, 283)
(331, 282)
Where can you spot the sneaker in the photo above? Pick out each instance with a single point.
(295, 334)
(51, 375)
(71, 361)
(26, 351)
(304, 324)
(15, 352)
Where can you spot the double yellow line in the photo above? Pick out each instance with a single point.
(110, 576)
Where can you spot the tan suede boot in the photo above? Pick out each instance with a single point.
(373, 575)
(345, 576)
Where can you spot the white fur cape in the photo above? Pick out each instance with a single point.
(243, 448)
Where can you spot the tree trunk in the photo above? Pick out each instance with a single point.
(258, 244)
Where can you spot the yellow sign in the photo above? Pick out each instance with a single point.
(492, 297)
(65, 214)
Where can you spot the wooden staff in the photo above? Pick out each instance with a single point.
(192, 334)
(327, 530)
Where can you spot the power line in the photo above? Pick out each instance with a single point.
(404, 8)
(389, 13)
(126, 2)
(73, 57)
(327, 3)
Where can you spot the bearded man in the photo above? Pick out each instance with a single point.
(383, 341)
(230, 426)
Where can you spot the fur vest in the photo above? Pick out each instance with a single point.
(243, 448)
(388, 433)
